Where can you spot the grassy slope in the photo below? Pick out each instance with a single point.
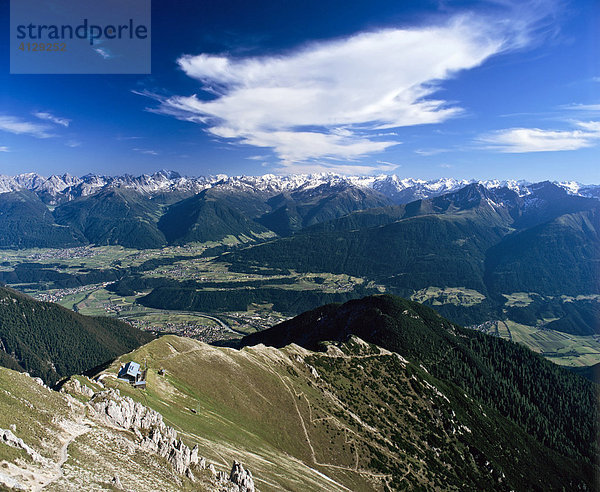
(78, 451)
(551, 404)
(365, 420)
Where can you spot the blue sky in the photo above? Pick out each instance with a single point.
(422, 89)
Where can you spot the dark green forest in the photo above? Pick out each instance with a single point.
(560, 409)
(52, 342)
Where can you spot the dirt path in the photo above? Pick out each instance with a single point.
(73, 429)
(295, 396)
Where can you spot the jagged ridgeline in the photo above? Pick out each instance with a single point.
(395, 397)
(52, 342)
(557, 408)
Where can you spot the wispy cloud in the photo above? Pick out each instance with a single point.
(430, 152)
(146, 151)
(331, 100)
(19, 126)
(104, 53)
(43, 115)
(348, 168)
(389, 165)
(121, 137)
(522, 140)
(4, 148)
(73, 143)
(583, 107)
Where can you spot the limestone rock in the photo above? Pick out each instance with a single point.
(7, 437)
(116, 481)
(74, 386)
(10, 482)
(241, 477)
(40, 382)
(158, 437)
(152, 434)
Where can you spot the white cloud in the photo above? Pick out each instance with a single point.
(104, 53)
(583, 107)
(430, 152)
(43, 115)
(331, 100)
(522, 140)
(389, 165)
(18, 126)
(348, 168)
(73, 144)
(4, 148)
(146, 151)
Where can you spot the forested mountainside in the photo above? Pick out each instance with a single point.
(558, 408)
(52, 342)
(493, 242)
(150, 211)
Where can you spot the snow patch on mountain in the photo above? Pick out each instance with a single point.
(60, 188)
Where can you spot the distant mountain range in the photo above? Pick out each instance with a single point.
(151, 211)
(493, 241)
(491, 238)
(57, 189)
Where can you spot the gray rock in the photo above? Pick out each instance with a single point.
(40, 382)
(241, 477)
(10, 482)
(116, 481)
(161, 439)
(74, 386)
(7, 437)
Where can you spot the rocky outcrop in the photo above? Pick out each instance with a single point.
(74, 386)
(7, 437)
(127, 413)
(157, 437)
(10, 482)
(241, 477)
(148, 425)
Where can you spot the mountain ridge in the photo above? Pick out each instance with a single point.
(56, 189)
(478, 364)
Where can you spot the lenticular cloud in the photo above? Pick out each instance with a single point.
(328, 99)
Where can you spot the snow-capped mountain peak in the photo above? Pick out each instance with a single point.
(59, 188)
